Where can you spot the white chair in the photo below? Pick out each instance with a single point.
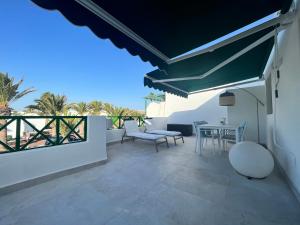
(203, 135)
(229, 135)
(132, 131)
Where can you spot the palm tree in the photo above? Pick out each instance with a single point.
(113, 113)
(95, 107)
(151, 96)
(9, 93)
(49, 104)
(64, 130)
(133, 112)
(112, 110)
(82, 109)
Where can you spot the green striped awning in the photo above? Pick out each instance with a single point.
(247, 66)
(159, 30)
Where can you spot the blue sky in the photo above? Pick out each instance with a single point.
(51, 54)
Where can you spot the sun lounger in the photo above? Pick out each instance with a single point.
(132, 131)
(174, 134)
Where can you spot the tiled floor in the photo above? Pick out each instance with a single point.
(139, 186)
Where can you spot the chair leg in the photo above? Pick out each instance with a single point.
(155, 143)
(175, 140)
(223, 143)
(197, 143)
(182, 139)
(167, 142)
(213, 142)
(201, 144)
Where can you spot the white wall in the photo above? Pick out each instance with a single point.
(287, 106)
(156, 109)
(114, 135)
(200, 106)
(245, 110)
(156, 123)
(38, 123)
(25, 165)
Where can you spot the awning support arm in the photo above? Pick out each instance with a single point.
(168, 85)
(222, 64)
(227, 86)
(279, 20)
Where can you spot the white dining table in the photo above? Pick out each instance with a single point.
(218, 127)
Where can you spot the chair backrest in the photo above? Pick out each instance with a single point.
(131, 126)
(196, 123)
(242, 128)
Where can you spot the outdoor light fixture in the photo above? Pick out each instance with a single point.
(227, 99)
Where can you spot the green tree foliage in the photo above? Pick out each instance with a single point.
(49, 104)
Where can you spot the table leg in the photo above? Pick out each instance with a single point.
(237, 139)
(197, 140)
(199, 143)
(219, 138)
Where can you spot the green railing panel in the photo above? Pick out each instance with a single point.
(19, 133)
(118, 121)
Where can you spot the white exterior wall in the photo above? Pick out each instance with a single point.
(245, 110)
(200, 106)
(156, 109)
(156, 123)
(38, 123)
(287, 106)
(114, 135)
(26, 165)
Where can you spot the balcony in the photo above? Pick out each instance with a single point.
(60, 172)
(139, 186)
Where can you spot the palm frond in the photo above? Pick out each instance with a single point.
(9, 90)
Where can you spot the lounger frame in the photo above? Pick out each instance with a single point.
(156, 141)
(175, 137)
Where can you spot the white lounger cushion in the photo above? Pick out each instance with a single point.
(164, 132)
(145, 135)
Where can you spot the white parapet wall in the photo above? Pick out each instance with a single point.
(114, 135)
(198, 106)
(18, 167)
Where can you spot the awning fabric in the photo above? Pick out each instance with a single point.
(172, 27)
(247, 66)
